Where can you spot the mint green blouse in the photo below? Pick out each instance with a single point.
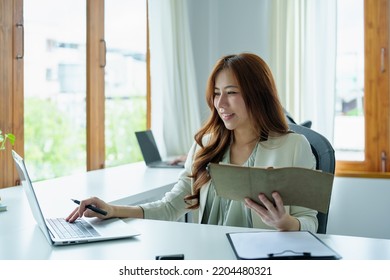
(226, 212)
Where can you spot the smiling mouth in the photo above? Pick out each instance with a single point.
(227, 116)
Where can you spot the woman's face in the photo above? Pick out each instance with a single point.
(229, 103)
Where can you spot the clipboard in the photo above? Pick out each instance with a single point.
(297, 186)
(280, 245)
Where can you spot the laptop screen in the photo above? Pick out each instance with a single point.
(30, 193)
(148, 146)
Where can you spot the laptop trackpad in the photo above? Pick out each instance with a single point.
(111, 226)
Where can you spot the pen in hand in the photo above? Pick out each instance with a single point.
(91, 207)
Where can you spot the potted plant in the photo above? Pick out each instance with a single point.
(3, 139)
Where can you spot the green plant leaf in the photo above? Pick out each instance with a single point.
(4, 137)
(11, 138)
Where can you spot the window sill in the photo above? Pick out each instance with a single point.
(359, 174)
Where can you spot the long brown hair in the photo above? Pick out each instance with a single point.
(261, 99)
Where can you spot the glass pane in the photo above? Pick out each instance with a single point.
(349, 114)
(55, 87)
(125, 79)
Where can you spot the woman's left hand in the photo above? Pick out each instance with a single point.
(274, 215)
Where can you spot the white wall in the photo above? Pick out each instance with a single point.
(221, 27)
(360, 207)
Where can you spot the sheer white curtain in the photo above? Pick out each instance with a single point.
(175, 108)
(303, 59)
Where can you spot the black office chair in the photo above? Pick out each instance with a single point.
(290, 119)
(325, 157)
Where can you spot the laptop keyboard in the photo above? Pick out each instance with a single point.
(77, 229)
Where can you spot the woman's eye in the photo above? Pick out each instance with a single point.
(217, 93)
(231, 92)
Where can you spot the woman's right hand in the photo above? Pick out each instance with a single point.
(81, 210)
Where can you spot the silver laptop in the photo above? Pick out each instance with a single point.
(58, 231)
(151, 153)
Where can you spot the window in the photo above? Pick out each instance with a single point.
(55, 87)
(367, 115)
(63, 69)
(125, 79)
(349, 113)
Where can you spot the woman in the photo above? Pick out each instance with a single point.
(246, 127)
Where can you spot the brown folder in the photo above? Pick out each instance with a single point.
(297, 186)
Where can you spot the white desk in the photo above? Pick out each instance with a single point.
(21, 238)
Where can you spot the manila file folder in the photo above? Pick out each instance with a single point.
(297, 186)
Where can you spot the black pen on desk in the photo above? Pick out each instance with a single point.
(91, 207)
